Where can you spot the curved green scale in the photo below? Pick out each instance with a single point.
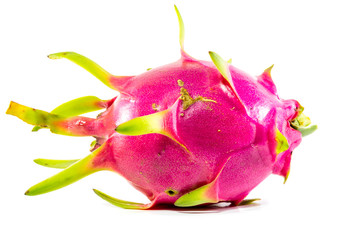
(282, 143)
(205, 194)
(122, 203)
(73, 173)
(77, 107)
(152, 123)
(222, 66)
(51, 163)
(87, 64)
(202, 195)
(184, 55)
(181, 28)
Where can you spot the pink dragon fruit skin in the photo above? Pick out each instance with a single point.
(188, 133)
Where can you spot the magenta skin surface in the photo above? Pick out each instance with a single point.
(188, 133)
(228, 138)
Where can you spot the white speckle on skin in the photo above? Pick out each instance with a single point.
(80, 123)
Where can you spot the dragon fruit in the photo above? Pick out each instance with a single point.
(188, 133)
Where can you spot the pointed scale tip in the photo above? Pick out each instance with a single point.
(56, 55)
(286, 176)
(248, 201)
(268, 70)
(10, 109)
(222, 67)
(51, 163)
(265, 79)
(60, 55)
(181, 28)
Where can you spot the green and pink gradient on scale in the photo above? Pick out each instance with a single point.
(188, 133)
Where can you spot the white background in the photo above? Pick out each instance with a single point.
(315, 46)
